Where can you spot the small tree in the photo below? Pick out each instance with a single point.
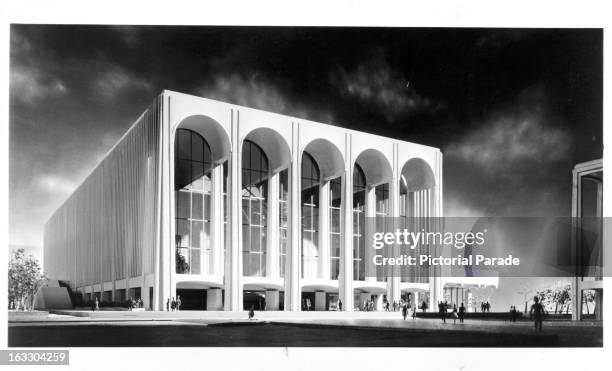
(181, 263)
(24, 279)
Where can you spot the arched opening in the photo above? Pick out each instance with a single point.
(311, 180)
(321, 201)
(371, 176)
(255, 175)
(417, 205)
(277, 154)
(359, 215)
(201, 151)
(193, 190)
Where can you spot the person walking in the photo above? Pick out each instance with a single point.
(178, 303)
(168, 305)
(404, 311)
(97, 304)
(455, 315)
(251, 312)
(340, 305)
(442, 311)
(537, 310)
(461, 313)
(173, 304)
(414, 311)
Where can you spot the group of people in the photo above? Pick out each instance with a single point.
(138, 303)
(457, 313)
(173, 304)
(405, 307)
(485, 307)
(368, 306)
(306, 304)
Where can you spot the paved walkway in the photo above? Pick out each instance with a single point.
(306, 329)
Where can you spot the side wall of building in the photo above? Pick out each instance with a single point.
(106, 231)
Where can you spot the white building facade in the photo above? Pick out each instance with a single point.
(230, 207)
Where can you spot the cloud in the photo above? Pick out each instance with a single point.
(257, 92)
(56, 185)
(30, 87)
(519, 134)
(116, 79)
(455, 207)
(516, 162)
(375, 82)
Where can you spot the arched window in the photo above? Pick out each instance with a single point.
(192, 185)
(310, 216)
(359, 194)
(255, 174)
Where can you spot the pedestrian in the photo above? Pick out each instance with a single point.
(414, 311)
(461, 313)
(404, 311)
(97, 304)
(538, 313)
(442, 311)
(178, 303)
(340, 305)
(168, 305)
(251, 312)
(455, 315)
(173, 304)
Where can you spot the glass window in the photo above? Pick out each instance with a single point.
(310, 216)
(255, 175)
(359, 193)
(192, 172)
(283, 207)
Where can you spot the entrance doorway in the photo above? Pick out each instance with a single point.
(256, 299)
(192, 299)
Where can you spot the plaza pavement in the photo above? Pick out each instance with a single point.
(556, 333)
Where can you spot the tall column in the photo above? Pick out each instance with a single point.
(273, 244)
(435, 213)
(272, 297)
(346, 252)
(217, 239)
(320, 301)
(292, 271)
(165, 237)
(576, 213)
(233, 271)
(324, 229)
(393, 282)
(370, 224)
(213, 299)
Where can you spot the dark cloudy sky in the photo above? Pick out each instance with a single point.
(512, 110)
